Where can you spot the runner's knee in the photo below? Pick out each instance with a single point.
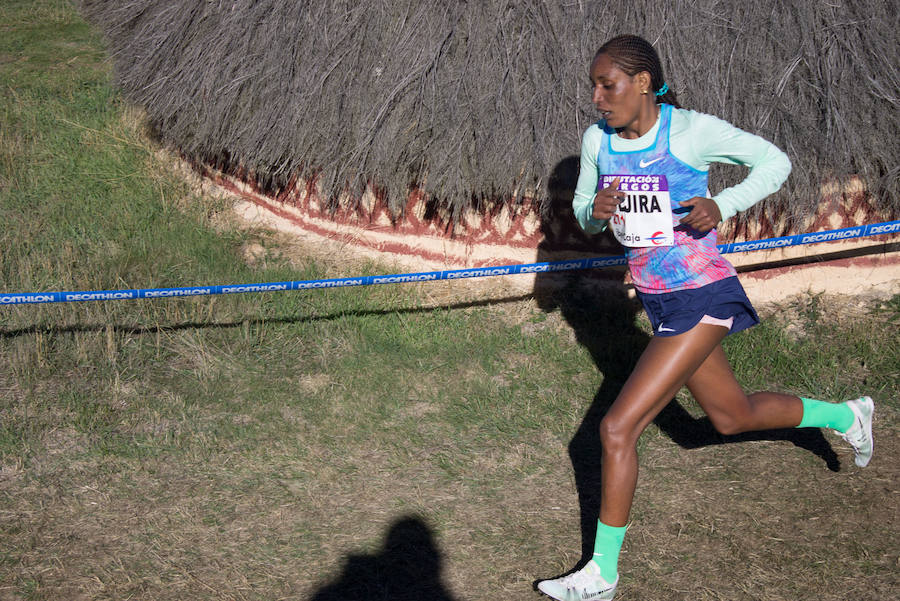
(616, 435)
(728, 424)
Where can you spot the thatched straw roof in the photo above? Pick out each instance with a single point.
(480, 99)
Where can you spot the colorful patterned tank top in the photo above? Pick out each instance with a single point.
(693, 260)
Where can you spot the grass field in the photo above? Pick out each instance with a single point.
(373, 443)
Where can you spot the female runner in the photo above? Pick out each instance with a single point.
(644, 173)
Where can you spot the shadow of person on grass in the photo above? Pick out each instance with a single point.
(602, 315)
(408, 568)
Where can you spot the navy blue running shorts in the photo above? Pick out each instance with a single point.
(673, 313)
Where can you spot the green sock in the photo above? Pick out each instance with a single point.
(606, 550)
(819, 414)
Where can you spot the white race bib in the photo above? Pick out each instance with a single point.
(644, 217)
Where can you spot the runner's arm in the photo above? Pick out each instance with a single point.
(588, 177)
(716, 141)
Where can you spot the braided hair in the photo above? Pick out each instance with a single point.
(633, 54)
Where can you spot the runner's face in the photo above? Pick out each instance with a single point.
(617, 95)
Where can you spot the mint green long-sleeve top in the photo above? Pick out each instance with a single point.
(698, 140)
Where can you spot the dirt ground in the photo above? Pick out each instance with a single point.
(778, 516)
(735, 519)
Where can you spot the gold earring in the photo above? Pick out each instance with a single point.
(644, 92)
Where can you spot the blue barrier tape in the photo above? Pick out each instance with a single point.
(874, 229)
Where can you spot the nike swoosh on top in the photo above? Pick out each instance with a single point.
(644, 163)
(662, 329)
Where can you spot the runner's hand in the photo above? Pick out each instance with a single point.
(704, 216)
(606, 201)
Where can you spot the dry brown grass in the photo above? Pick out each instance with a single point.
(211, 514)
(471, 102)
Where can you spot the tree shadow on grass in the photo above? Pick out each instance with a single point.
(407, 568)
(602, 315)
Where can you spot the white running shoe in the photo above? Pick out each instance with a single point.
(860, 433)
(584, 585)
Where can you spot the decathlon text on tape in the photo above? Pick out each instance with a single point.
(874, 229)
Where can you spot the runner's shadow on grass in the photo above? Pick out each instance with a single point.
(603, 318)
(407, 568)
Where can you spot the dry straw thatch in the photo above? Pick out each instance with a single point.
(475, 100)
